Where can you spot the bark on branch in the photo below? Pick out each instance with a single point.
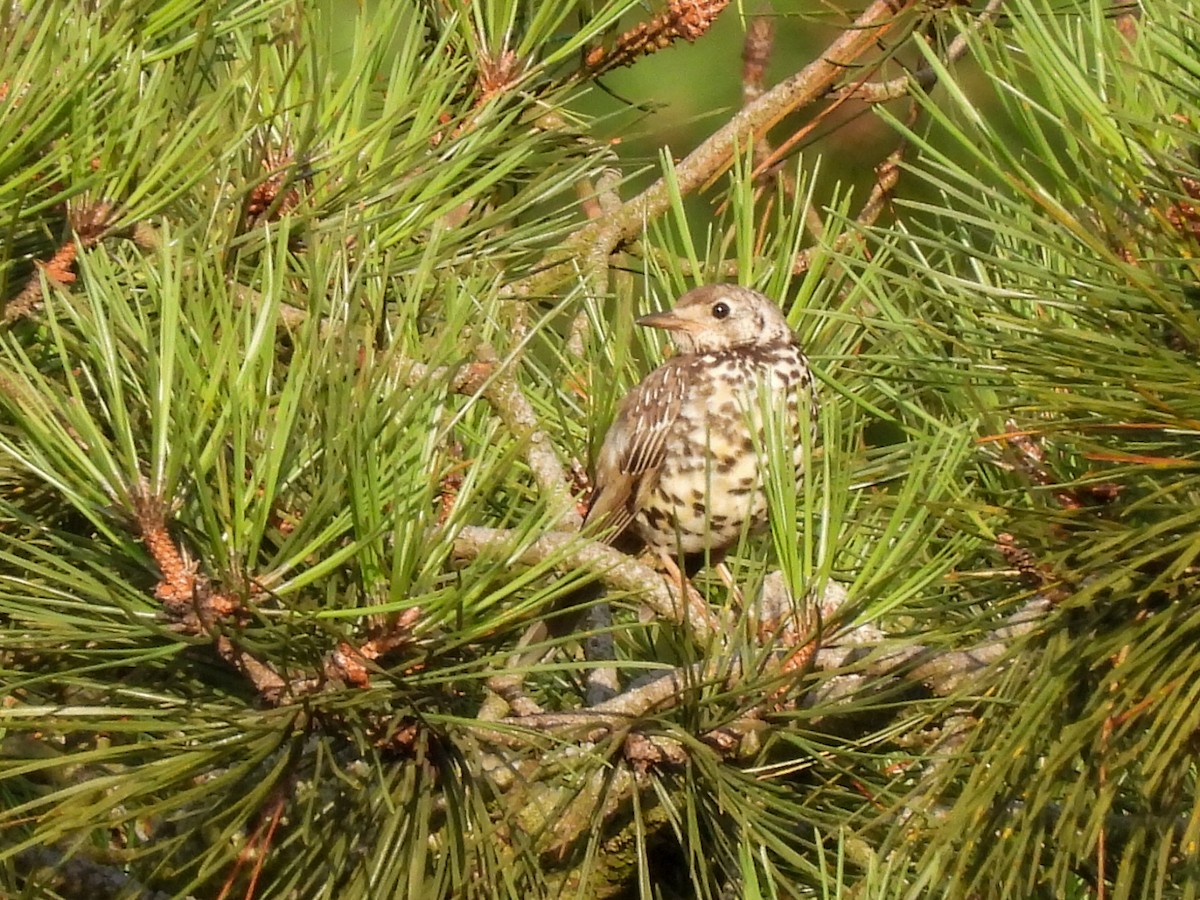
(615, 569)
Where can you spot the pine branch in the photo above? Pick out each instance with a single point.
(615, 569)
(924, 78)
(593, 243)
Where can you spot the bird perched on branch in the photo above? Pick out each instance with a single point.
(679, 470)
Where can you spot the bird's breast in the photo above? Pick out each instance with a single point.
(709, 486)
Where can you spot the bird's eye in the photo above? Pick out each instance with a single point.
(720, 310)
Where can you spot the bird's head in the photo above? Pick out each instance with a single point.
(720, 317)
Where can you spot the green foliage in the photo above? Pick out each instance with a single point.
(1058, 272)
(299, 389)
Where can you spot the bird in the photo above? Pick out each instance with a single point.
(679, 469)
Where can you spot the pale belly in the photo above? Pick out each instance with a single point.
(710, 488)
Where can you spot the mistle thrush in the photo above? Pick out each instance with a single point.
(679, 470)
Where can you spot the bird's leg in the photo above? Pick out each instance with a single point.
(673, 573)
(726, 576)
(691, 598)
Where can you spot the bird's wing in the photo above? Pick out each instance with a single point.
(634, 447)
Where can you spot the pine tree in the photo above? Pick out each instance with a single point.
(305, 351)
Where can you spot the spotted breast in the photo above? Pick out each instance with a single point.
(679, 469)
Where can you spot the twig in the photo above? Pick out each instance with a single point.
(594, 242)
(599, 799)
(602, 682)
(492, 379)
(1038, 575)
(942, 672)
(602, 197)
(925, 77)
(507, 687)
(1028, 458)
(561, 816)
(614, 568)
(780, 627)
(946, 672)
(625, 709)
(887, 175)
(512, 406)
(197, 609)
(190, 600)
(351, 665)
(604, 200)
(756, 54)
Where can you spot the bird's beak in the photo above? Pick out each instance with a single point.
(669, 320)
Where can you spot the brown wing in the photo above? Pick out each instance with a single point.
(634, 447)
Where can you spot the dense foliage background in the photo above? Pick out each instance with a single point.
(313, 321)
